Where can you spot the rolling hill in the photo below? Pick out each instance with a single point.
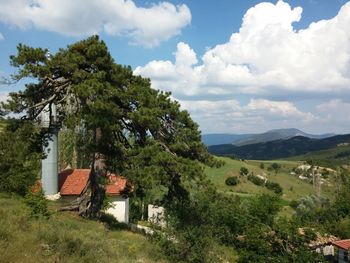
(245, 139)
(278, 134)
(293, 188)
(298, 145)
(222, 138)
(333, 157)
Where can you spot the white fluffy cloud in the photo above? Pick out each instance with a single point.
(147, 26)
(256, 116)
(335, 114)
(281, 110)
(266, 57)
(3, 96)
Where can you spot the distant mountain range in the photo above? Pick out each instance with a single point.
(245, 139)
(281, 148)
(222, 138)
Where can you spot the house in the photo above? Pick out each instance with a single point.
(322, 244)
(343, 250)
(73, 181)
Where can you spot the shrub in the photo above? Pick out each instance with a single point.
(294, 204)
(37, 204)
(19, 162)
(243, 171)
(232, 180)
(256, 180)
(276, 167)
(275, 187)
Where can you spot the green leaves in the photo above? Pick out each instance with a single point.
(19, 157)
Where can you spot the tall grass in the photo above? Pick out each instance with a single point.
(65, 237)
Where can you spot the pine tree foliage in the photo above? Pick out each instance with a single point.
(139, 132)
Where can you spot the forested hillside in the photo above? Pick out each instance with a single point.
(279, 149)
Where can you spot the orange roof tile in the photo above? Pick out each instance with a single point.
(344, 244)
(116, 185)
(73, 181)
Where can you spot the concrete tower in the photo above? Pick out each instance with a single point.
(49, 165)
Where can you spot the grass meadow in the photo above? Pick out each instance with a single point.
(66, 237)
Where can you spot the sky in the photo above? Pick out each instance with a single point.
(242, 66)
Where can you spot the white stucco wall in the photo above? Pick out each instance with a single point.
(156, 215)
(119, 208)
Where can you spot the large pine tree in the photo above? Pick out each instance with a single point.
(136, 131)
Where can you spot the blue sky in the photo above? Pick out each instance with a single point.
(236, 66)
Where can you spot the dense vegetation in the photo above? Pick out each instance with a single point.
(20, 154)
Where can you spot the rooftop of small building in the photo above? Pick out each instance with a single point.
(73, 182)
(343, 244)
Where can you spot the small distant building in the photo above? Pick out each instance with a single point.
(73, 181)
(343, 250)
(262, 178)
(304, 167)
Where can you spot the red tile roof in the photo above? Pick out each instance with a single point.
(344, 244)
(73, 181)
(116, 185)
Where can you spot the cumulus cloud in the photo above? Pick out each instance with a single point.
(3, 96)
(267, 56)
(145, 25)
(335, 114)
(281, 110)
(257, 115)
(168, 76)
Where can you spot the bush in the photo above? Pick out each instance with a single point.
(294, 204)
(19, 163)
(112, 223)
(256, 180)
(232, 180)
(243, 171)
(275, 187)
(37, 204)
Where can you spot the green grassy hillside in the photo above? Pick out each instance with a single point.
(65, 237)
(333, 157)
(293, 188)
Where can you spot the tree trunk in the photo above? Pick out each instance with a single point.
(90, 202)
(91, 199)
